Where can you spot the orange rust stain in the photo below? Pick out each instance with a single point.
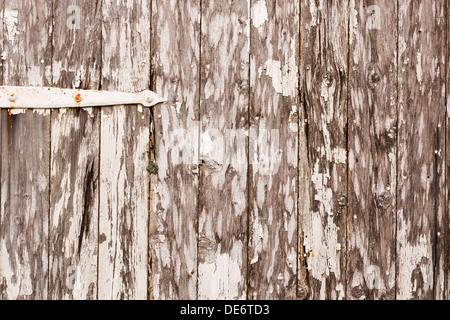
(78, 98)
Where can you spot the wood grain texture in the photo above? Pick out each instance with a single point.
(303, 151)
(2, 9)
(173, 226)
(3, 132)
(25, 155)
(273, 150)
(420, 155)
(446, 234)
(372, 140)
(441, 254)
(75, 139)
(77, 51)
(324, 32)
(73, 251)
(124, 154)
(222, 250)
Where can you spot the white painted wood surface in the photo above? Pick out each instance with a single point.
(356, 90)
(124, 154)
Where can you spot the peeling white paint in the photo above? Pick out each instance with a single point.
(284, 78)
(293, 125)
(324, 194)
(11, 22)
(353, 21)
(340, 155)
(419, 71)
(259, 13)
(17, 111)
(89, 110)
(42, 112)
(314, 11)
(414, 258)
(221, 278)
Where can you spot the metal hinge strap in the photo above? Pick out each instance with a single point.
(50, 98)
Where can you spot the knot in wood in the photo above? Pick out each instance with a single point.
(383, 200)
(328, 79)
(373, 76)
(302, 293)
(342, 200)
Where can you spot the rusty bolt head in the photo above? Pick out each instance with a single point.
(13, 97)
(78, 98)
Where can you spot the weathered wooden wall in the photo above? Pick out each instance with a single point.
(302, 153)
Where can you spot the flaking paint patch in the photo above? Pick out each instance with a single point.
(293, 125)
(419, 71)
(322, 246)
(42, 112)
(412, 257)
(340, 155)
(284, 78)
(353, 21)
(89, 110)
(321, 243)
(257, 237)
(34, 76)
(11, 22)
(324, 194)
(221, 279)
(17, 111)
(314, 11)
(259, 13)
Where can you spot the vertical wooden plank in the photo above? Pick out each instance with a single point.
(3, 136)
(3, 126)
(222, 250)
(324, 32)
(124, 153)
(173, 233)
(421, 145)
(446, 234)
(274, 149)
(25, 155)
(3, 186)
(2, 9)
(74, 205)
(440, 187)
(372, 136)
(75, 139)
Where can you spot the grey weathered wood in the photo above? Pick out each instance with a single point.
(25, 156)
(3, 125)
(124, 154)
(324, 32)
(339, 200)
(441, 254)
(372, 136)
(446, 234)
(273, 150)
(77, 51)
(224, 70)
(73, 235)
(1, 49)
(421, 145)
(173, 226)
